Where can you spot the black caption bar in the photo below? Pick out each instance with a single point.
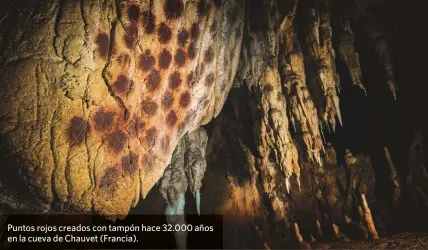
(92, 232)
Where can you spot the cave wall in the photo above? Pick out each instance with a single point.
(375, 115)
(311, 80)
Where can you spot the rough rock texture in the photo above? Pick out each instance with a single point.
(232, 180)
(174, 181)
(346, 44)
(394, 179)
(369, 219)
(375, 30)
(231, 184)
(186, 169)
(196, 164)
(278, 156)
(96, 94)
(301, 109)
(318, 42)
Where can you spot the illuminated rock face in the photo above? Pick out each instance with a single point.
(302, 112)
(96, 95)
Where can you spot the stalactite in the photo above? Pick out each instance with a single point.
(175, 216)
(195, 162)
(198, 201)
(173, 186)
(174, 181)
(326, 42)
(383, 53)
(348, 53)
(274, 135)
(277, 156)
(301, 109)
(187, 168)
(318, 41)
(381, 46)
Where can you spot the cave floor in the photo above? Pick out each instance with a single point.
(398, 241)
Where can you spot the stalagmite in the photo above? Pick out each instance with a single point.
(338, 234)
(394, 178)
(347, 219)
(195, 162)
(266, 246)
(349, 55)
(320, 234)
(301, 109)
(259, 232)
(350, 159)
(303, 244)
(355, 230)
(297, 233)
(368, 218)
(322, 57)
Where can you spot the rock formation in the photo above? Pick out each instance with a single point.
(321, 53)
(355, 230)
(301, 109)
(376, 32)
(186, 169)
(368, 218)
(346, 44)
(394, 179)
(96, 94)
(238, 101)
